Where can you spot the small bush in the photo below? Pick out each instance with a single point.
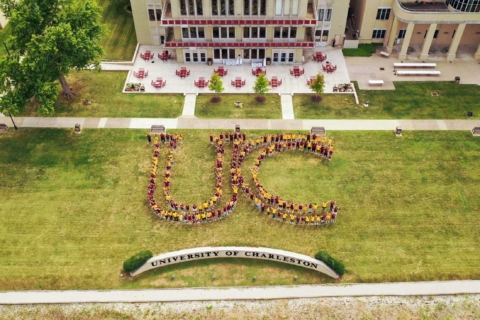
(336, 265)
(137, 260)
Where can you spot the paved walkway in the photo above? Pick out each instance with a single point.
(189, 105)
(287, 106)
(227, 124)
(244, 293)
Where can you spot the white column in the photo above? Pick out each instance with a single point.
(428, 41)
(406, 41)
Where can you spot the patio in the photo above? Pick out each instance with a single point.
(167, 71)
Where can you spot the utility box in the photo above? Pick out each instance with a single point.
(398, 131)
(78, 128)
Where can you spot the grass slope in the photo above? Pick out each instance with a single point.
(410, 100)
(104, 89)
(74, 208)
(120, 39)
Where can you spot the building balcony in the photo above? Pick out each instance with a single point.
(239, 22)
(422, 6)
(436, 12)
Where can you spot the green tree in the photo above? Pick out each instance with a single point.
(216, 85)
(317, 85)
(48, 39)
(261, 86)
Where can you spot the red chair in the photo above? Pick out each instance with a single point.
(201, 83)
(140, 74)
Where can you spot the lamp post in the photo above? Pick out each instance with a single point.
(14, 125)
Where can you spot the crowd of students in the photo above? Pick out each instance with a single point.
(181, 212)
(263, 201)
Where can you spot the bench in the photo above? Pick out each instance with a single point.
(319, 131)
(384, 54)
(375, 82)
(476, 131)
(3, 127)
(417, 73)
(157, 129)
(414, 65)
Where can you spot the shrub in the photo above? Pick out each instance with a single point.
(137, 260)
(336, 265)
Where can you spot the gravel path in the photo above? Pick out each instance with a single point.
(393, 307)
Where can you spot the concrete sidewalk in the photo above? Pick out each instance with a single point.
(227, 124)
(244, 293)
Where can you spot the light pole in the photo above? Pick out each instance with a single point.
(8, 52)
(14, 125)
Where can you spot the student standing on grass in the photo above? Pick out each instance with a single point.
(149, 138)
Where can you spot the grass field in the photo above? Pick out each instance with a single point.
(120, 39)
(363, 50)
(410, 100)
(251, 109)
(74, 208)
(104, 89)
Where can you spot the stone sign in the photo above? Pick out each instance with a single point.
(194, 254)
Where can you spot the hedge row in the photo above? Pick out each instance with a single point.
(336, 265)
(137, 260)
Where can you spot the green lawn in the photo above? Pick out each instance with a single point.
(410, 100)
(74, 208)
(251, 109)
(363, 50)
(120, 39)
(104, 89)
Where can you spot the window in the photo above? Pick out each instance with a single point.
(254, 7)
(401, 33)
(223, 7)
(378, 33)
(329, 15)
(253, 53)
(285, 32)
(325, 36)
(286, 7)
(151, 14)
(159, 14)
(224, 54)
(383, 13)
(193, 33)
(191, 7)
(224, 32)
(254, 33)
(435, 34)
(320, 14)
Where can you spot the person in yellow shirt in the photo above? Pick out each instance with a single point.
(324, 206)
(292, 218)
(204, 217)
(304, 209)
(284, 216)
(295, 208)
(307, 220)
(318, 220)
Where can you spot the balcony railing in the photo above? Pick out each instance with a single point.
(239, 44)
(404, 12)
